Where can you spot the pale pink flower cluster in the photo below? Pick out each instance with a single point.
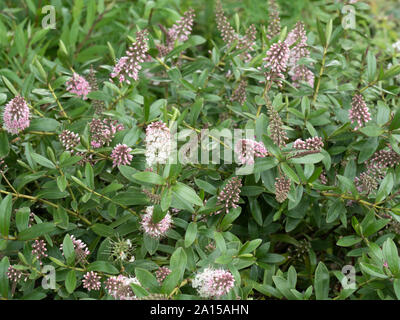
(39, 250)
(162, 273)
(121, 155)
(276, 62)
(78, 85)
(323, 178)
(229, 196)
(155, 230)
(227, 32)
(91, 281)
(314, 143)
(298, 39)
(239, 94)
(359, 111)
(16, 115)
(183, 27)
(69, 140)
(229, 35)
(282, 188)
(158, 143)
(14, 274)
(179, 31)
(81, 250)
(103, 131)
(130, 65)
(120, 287)
(302, 73)
(247, 149)
(369, 180)
(213, 282)
(385, 158)
(274, 21)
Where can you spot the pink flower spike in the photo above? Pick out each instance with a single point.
(78, 85)
(359, 111)
(121, 156)
(155, 230)
(16, 115)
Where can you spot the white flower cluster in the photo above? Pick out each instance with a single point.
(120, 287)
(213, 282)
(158, 143)
(396, 45)
(155, 230)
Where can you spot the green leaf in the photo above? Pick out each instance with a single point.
(151, 244)
(322, 37)
(22, 218)
(204, 185)
(9, 86)
(170, 282)
(62, 183)
(178, 261)
(229, 218)
(158, 214)
(36, 231)
(392, 72)
(166, 199)
(372, 131)
(4, 264)
(348, 241)
(391, 256)
(44, 124)
(70, 281)
(367, 150)
(191, 233)
(220, 241)
(103, 230)
(147, 280)
(311, 158)
(321, 282)
(271, 147)
(290, 172)
(174, 74)
(334, 211)
(347, 185)
(396, 287)
(371, 66)
(256, 211)
(4, 145)
(61, 218)
(68, 249)
(250, 246)
(89, 175)
(5, 215)
(42, 161)
(195, 110)
(149, 177)
(264, 164)
(395, 123)
(372, 270)
(385, 188)
(103, 266)
(328, 31)
(187, 193)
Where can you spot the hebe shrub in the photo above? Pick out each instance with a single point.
(148, 153)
